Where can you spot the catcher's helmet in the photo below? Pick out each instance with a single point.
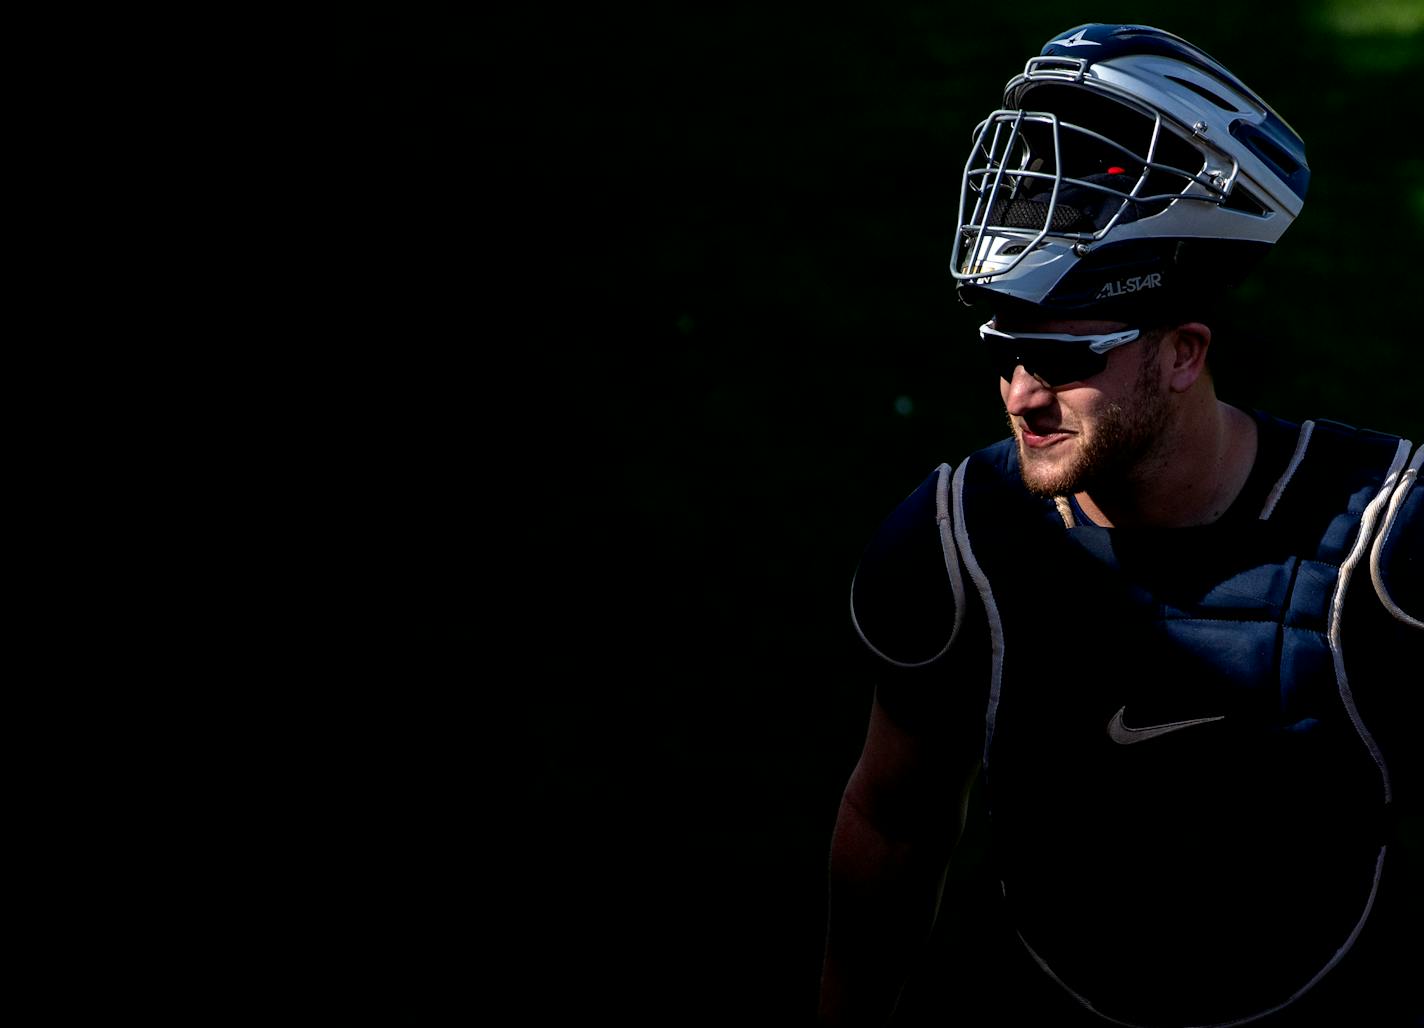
(1127, 170)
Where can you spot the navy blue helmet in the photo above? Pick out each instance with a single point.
(1126, 171)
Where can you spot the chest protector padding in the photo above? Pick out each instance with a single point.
(1218, 867)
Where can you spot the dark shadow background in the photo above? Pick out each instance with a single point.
(670, 302)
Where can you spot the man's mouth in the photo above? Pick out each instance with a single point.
(1041, 435)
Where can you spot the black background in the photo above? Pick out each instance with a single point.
(670, 328)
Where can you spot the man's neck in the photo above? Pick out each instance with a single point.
(1192, 478)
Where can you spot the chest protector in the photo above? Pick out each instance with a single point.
(1187, 806)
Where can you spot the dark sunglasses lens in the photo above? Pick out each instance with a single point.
(1054, 363)
(1067, 362)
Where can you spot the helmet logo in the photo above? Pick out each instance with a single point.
(1076, 39)
(1129, 285)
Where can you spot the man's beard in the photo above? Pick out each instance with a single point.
(1121, 441)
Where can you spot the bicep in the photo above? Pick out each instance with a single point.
(912, 783)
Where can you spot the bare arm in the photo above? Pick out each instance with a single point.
(899, 820)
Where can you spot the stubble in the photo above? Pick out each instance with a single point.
(1121, 442)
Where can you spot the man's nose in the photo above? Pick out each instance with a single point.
(1025, 393)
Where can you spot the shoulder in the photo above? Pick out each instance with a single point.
(1397, 552)
(1333, 470)
(908, 600)
(1356, 488)
(903, 595)
(1329, 455)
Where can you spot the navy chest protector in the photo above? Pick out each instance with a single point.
(1187, 806)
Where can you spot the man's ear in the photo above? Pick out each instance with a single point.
(1186, 347)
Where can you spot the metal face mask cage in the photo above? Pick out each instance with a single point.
(1019, 155)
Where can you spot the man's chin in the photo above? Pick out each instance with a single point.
(1047, 476)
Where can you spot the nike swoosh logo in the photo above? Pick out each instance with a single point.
(1125, 736)
(1076, 39)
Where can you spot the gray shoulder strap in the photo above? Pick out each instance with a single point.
(943, 520)
(1394, 526)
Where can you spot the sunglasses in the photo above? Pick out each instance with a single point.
(1053, 358)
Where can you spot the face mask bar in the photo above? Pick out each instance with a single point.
(1009, 155)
